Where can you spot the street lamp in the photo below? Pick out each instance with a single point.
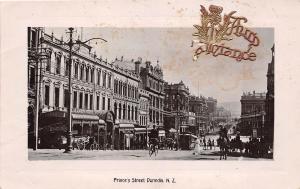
(70, 44)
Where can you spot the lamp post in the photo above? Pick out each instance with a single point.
(70, 44)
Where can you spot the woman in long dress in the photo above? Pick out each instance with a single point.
(197, 147)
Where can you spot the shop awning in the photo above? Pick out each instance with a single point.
(161, 133)
(126, 125)
(55, 113)
(140, 130)
(172, 130)
(101, 122)
(85, 117)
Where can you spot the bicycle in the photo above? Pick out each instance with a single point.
(153, 149)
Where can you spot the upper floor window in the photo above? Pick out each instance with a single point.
(76, 71)
(98, 77)
(67, 66)
(87, 75)
(92, 75)
(31, 75)
(81, 72)
(58, 63)
(104, 80)
(109, 81)
(47, 95)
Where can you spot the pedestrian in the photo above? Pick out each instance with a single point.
(209, 144)
(204, 144)
(197, 147)
(213, 143)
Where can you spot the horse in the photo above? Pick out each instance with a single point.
(224, 146)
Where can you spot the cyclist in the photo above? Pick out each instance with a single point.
(154, 136)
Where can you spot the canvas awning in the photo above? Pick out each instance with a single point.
(140, 130)
(161, 133)
(126, 125)
(172, 130)
(85, 117)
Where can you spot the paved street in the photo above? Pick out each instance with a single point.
(54, 154)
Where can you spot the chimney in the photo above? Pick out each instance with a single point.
(122, 58)
(137, 66)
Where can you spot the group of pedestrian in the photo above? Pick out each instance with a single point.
(257, 148)
(207, 145)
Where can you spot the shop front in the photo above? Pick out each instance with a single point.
(140, 136)
(126, 136)
(110, 130)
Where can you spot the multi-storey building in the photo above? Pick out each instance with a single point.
(221, 115)
(153, 83)
(269, 125)
(151, 96)
(127, 103)
(252, 114)
(198, 106)
(177, 103)
(104, 96)
(211, 104)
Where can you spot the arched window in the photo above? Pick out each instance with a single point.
(87, 74)
(92, 75)
(135, 113)
(98, 77)
(128, 113)
(115, 109)
(58, 63)
(48, 62)
(109, 81)
(124, 111)
(104, 80)
(120, 110)
(120, 88)
(76, 71)
(81, 72)
(132, 113)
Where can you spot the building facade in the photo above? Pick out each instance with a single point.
(211, 104)
(198, 106)
(269, 125)
(177, 103)
(104, 99)
(152, 81)
(252, 114)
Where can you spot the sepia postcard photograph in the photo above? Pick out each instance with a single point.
(149, 94)
(139, 94)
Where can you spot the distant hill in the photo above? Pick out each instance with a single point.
(233, 107)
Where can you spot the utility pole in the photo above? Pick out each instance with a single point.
(69, 119)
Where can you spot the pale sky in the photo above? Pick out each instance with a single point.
(222, 78)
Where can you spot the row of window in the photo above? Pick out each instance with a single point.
(124, 111)
(156, 102)
(155, 116)
(143, 120)
(80, 100)
(125, 89)
(155, 85)
(144, 105)
(86, 101)
(81, 72)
